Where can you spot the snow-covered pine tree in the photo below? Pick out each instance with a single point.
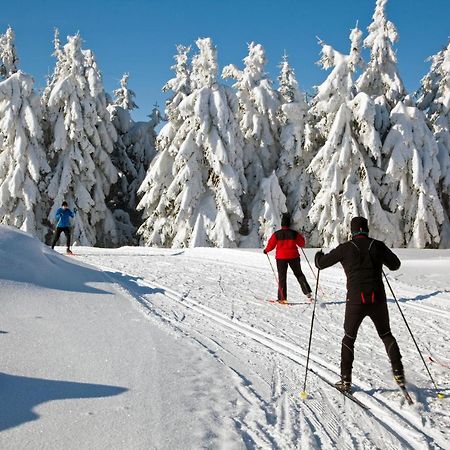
(259, 106)
(119, 200)
(267, 208)
(332, 93)
(140, 146)
(124, 95)
(294, 179)
(133, 152)
(8, 55)
(158, 228)
(191, 195)
(81, 139)
(347, 165)
(23, 162)
(413, 173)
(140, 142)
(381, 79)
(434, 98)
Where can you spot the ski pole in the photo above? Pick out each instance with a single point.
(312, 270)
(276, 278)
(307, 260)
(304, 394)
(439, 394)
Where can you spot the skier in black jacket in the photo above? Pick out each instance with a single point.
(362, 259)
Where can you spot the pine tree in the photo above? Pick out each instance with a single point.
(191, 194)
(8, 55)
(119, 200)
(434, 98)
(259, 105)
(294, 179)
(413, 172)
(157, 230)
(381, 80)
(267, 208)
(140, 142)
(347, 165)
(81, 139)
(124, 95)
(23, 162)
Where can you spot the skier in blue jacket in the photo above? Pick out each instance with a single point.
(63, 216)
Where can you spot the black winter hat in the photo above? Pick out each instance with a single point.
(359, 224)
(286, 220)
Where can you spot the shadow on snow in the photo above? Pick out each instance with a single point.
(20, 395)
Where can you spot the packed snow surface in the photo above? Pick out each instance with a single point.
(138, 348)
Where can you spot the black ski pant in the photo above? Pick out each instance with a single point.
(354, 315)
(59, 230)
(282, 266)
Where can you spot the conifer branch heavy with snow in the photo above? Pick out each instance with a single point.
(268, 206)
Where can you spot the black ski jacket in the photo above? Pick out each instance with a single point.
(362, 259)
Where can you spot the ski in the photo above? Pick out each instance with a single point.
(351, 397)
(348, 395)
(406, 394)
(276, 302)
(438, 362)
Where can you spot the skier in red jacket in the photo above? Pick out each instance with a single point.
(286, 242)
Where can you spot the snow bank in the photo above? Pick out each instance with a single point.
(25, 259)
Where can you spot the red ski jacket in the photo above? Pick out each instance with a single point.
(286, 241)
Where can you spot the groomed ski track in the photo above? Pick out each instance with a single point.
(216, 297)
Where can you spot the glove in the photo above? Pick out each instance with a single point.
(264, 251)
(317, 258)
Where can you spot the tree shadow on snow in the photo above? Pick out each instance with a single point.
(422, 297)
(20, 395)
(135, 286)
(134, 255)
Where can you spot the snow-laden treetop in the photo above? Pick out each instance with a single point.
(381, 76)
(124, 95)
(8, 54)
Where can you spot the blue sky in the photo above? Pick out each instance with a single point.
(139, 36)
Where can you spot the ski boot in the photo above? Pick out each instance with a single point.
(399, 377)
(310, 297)
(69, 252)
(344, 385)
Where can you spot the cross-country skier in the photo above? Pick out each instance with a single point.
(63, 216)
(362, 259)
(286, 242)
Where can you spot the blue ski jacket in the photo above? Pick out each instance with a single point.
(63, 217)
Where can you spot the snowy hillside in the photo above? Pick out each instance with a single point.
(139, 348)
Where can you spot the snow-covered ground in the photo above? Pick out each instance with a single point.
(138, 348)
